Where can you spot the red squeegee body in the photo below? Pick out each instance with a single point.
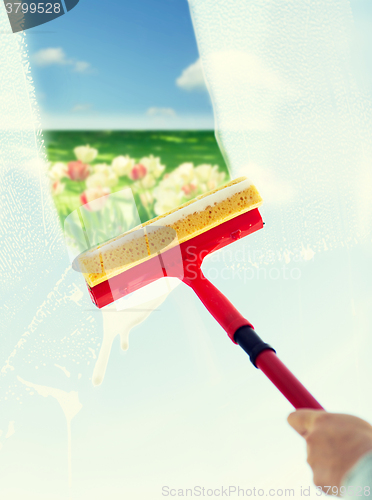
(239, 329)
(192, 251)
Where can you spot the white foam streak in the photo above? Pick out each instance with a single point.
(120, 323)
(70, 405)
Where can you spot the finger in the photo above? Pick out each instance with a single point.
(303, 421)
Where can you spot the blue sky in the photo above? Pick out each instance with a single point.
(134, 53)
(115, 64)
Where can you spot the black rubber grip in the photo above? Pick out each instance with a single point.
(251, 343)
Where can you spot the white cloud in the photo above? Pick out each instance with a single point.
(192, 77)
(47, 57)
(161, 112)
(81, 108)
(57, 56)
(81, 66)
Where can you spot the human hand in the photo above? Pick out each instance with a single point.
(335, 442)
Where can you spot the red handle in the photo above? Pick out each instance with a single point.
(217, 304)
(231, 320)
(291, 388)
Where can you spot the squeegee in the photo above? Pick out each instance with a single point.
(174, 245)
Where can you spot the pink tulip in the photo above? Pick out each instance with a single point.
(138, 172)
(188, 189)
(77, 170)
(95, 198)
(57, 187)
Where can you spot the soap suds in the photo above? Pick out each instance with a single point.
(93, 352)
(44, 306)
(290, 115)
(11, 429)
(63, 368)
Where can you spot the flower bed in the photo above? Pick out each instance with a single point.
(156, 190)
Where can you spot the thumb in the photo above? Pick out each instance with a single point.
(303, 421)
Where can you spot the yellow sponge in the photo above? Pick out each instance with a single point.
(189, 220)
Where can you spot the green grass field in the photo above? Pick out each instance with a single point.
(173, 147)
